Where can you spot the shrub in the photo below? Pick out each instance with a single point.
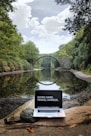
(25, 65)
(4, 66)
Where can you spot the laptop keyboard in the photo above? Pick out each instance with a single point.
(48, 110)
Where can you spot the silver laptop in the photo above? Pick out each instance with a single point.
(48, 104)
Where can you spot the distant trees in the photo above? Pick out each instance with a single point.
(49, 62)
(77, 53)
(30, 52)
(65, 55)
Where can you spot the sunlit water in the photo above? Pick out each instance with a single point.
(47, 85)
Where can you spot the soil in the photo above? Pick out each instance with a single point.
(80, 130)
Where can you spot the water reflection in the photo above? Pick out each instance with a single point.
(17, 85)
(25, 84)
(48, 77)
(70, 84)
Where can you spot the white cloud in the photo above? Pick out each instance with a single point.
(21, 15)
(51, 24)
(34, 22)
(55, 24)
(26, 39)
(63, 15)
(23, 1)
(50, 43)
(46, 33)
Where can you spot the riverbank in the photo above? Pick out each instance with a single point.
(17, 72)
(81, 75)
(14, 72)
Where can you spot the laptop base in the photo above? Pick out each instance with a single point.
(49, 114)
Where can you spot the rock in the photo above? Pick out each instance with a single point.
(88, 103)
(17, 112)
(76, 115)
(27, 115)
(80, 114)
(69, 104)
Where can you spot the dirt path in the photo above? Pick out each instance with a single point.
(79, 130)
(81, 75)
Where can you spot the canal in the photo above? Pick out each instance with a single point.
(25, 84)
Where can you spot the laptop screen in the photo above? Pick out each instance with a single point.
(48, 98)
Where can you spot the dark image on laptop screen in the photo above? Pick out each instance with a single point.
(48, 98)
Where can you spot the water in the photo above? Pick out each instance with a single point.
(25, 84)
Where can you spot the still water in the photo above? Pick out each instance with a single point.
(25, 84)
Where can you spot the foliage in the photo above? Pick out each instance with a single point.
(13, 54)
(49, 62)
(78, 51)
(82, 50)
(30, 51)
(63, 1)
(82, 14)
(6, 5)
(80, 25)
(25, 64)
(65, 55)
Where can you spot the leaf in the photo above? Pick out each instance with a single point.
(61, 128)
(30, 130)
(73, 125)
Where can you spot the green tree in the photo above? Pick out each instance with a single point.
(10, 41)
(80, 24)
(82, 50)
(63, 1)
(82, 14)
(6, 5)
(30, 52)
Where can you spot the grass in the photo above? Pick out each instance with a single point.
(86, 72)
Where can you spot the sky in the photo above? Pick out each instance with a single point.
(42, 22)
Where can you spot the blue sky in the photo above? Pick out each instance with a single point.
(42, 22)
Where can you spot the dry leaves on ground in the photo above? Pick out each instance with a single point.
(61, 128)
(30, 130)
(73, 126)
